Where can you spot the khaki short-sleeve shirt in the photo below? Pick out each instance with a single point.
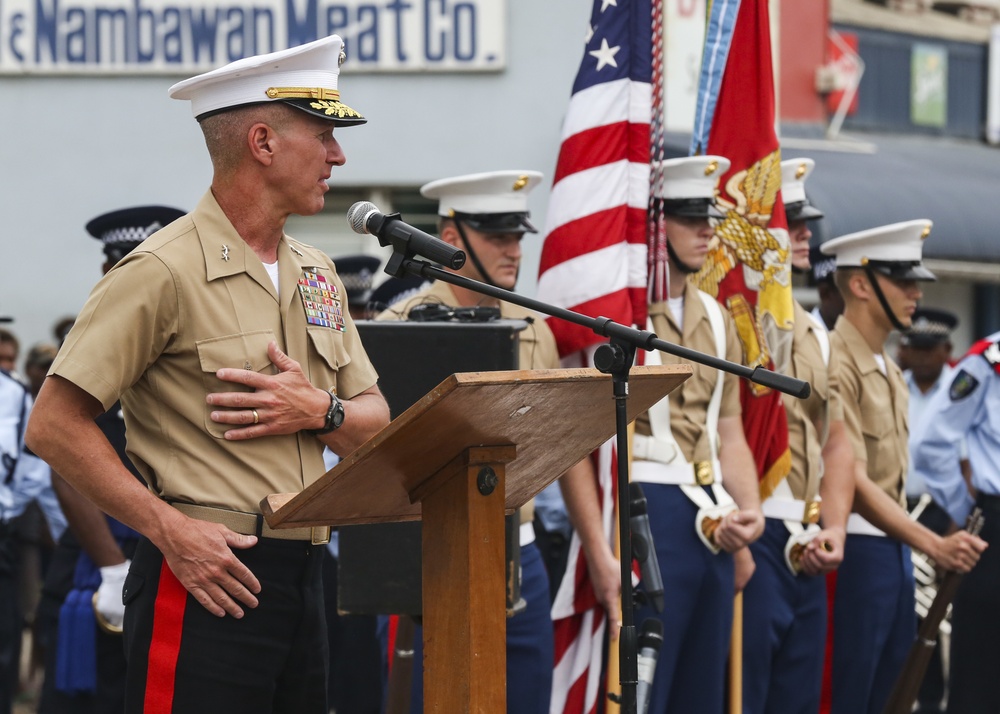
(809, 419)
(193, 299)
(875, 409)
(689, 402)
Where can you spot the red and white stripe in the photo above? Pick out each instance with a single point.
(594, 256)
(579, 620)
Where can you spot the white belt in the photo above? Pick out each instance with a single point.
(647, 448)
(527, 534)
(679, 473)
(789, 509)
(856, 525)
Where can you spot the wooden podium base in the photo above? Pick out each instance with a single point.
(463, 583)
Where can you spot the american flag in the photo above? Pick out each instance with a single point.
(594, 255)
(594, 261)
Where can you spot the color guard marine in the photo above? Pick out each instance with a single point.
(784, 604)
(695, 468)
(486, 215)
(879, 272)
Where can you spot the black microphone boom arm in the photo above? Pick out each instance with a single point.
(606, 327)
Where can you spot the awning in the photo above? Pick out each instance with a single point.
(869, 180)
(875, 180)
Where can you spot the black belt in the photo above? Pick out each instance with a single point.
(988, 502)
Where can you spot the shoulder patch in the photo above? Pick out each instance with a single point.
(962, 385)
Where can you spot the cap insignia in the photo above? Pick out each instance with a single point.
(341, 58)
(303, 93)
(926, 232)
(711, 168)
(335, 108)
(521, 182)
(864, 261)
(800, 171)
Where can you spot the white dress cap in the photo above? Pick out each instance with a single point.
(304, 77)
(490, 192)
(688, 184)
(895, 249)
(690, 177)
(794, 173)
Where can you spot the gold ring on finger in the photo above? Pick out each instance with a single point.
(256, 416)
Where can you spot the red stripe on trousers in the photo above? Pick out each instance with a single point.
(168, 624)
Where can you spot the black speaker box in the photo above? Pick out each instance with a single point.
(379, 564)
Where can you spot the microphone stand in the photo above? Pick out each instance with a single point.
(614, 358)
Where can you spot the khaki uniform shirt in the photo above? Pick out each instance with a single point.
(536, 344)
(190, 300)
(809, 419)
(689, 402)
(875, 409)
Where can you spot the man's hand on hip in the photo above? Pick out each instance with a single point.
(200, 555)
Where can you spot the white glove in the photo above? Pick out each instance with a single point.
(108, 599)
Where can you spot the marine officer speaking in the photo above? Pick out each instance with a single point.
(236, 361)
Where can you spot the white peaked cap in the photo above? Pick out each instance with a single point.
(897, 249)
(490, 192)
(304, 77)
(690, 177)
(794, 173)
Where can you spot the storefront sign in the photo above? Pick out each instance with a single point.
(168, 36)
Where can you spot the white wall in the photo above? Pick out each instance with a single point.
(79, 146)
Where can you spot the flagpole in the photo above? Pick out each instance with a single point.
(736, 658)
(613, 679)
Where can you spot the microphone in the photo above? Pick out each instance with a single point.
(650, 641)
(642, 546)
(365, 218)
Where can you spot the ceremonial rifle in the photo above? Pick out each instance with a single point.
(904, 693)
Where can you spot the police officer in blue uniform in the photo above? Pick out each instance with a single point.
(20, 472)
(968, 410)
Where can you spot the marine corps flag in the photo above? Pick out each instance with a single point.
(748, 267)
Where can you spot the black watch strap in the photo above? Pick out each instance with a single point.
(334, 415)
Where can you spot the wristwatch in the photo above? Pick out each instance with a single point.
(334, 415)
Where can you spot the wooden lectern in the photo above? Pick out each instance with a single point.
(479, 445)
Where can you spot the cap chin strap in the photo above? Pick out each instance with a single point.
(681, 265)
(473, 257)
(881, 298)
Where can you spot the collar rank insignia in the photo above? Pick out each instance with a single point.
(962, 385)
(321, 301)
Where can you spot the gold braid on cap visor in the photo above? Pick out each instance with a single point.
(303, 93)
(327, 100)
